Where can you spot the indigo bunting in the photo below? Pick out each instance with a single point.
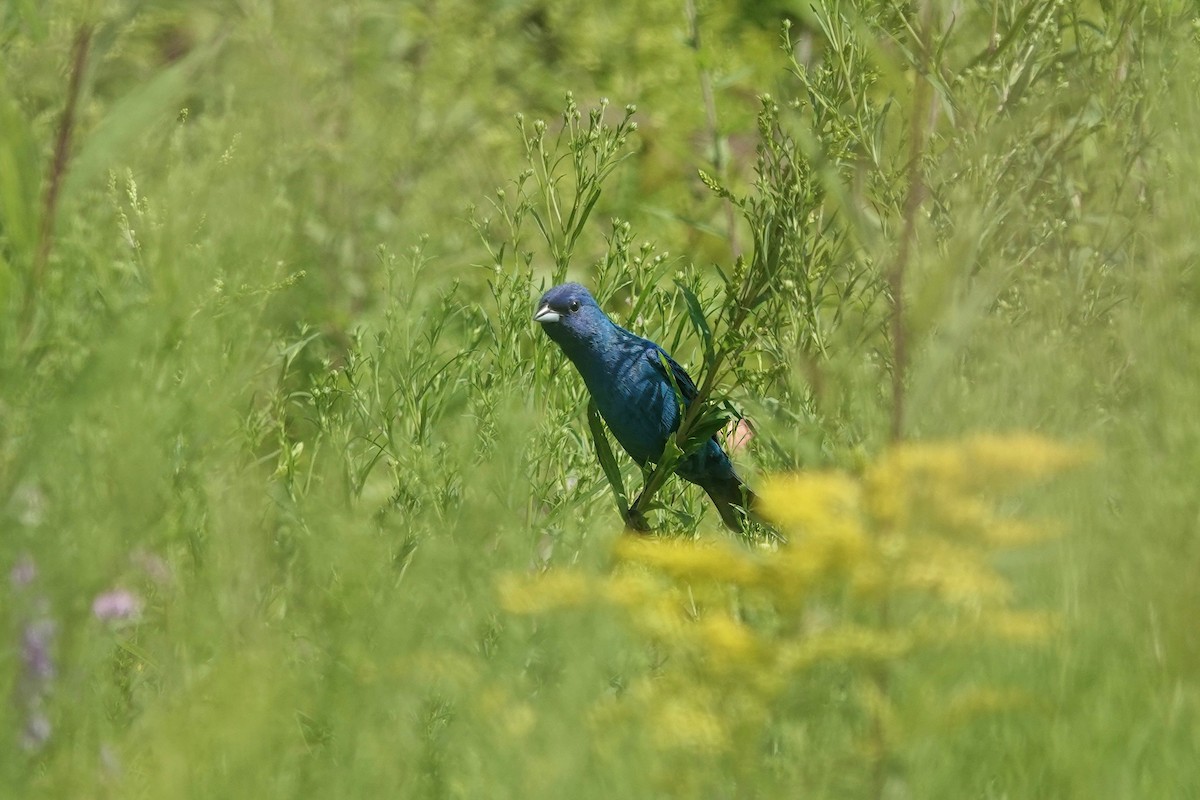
(628, 382)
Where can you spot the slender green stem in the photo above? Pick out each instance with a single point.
(714, 133)
(57, 172)
(912, 204)
(920, 112)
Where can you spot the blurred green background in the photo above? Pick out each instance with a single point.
(275, 423)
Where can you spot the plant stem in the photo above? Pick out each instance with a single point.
(58, 170)
(912, 204)
(710, 115)
(921, 110)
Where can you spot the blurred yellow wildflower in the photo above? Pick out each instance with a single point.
(677, 713)
(686, 724)
(846, 644)
(957, 574)
(730, 643)
(702, 561)
(632, 588)
(545, 592)
(814, 503)
(946, 476)
(877, 568)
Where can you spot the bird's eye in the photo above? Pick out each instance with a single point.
(573, 305)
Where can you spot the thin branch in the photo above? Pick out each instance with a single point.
(920, 114)
(921, 109)
(714, 133)
(58, 170)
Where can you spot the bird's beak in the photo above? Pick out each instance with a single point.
(546, 314)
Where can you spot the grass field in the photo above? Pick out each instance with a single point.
(297, 501)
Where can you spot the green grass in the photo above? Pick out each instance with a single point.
(272, 371)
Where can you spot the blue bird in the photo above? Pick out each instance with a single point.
(625, 375)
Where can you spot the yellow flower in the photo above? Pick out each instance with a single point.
(900, 556)
(813, 503)
(684, 713)
(631, 588)
(523, 594)
(846, 643)
(691, 561)
(956, 574)
(687, 725)
(729, 642)
(1021, 458)
(664, 618)
(822, 512)
(984, 461)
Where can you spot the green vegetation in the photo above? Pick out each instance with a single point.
(296, 500)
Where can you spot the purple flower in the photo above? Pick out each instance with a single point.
(36, 642)
(116, 605)
(23, 573)
(37, 657)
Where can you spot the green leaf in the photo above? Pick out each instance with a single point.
(670, 373)
(537, 218)
(608, 462)
(713, 417)
(696, 314)
(583, 215)
(671, 456)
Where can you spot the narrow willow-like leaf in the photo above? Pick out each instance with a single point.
(696, 315)
(607, 461)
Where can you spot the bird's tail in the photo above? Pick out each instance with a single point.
(735, 503)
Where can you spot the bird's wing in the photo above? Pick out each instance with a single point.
(684, 381)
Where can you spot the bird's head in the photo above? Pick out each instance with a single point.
(570, 316)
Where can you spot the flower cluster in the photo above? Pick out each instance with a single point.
(878, 567)
(38, 634)
(117, 608)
